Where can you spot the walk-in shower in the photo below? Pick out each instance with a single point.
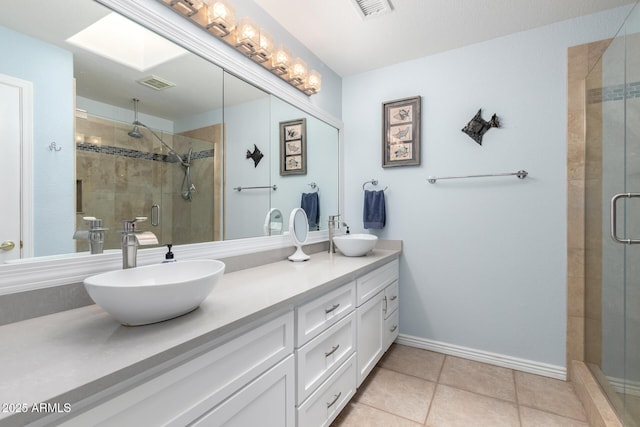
(612, 221)
(187, 189)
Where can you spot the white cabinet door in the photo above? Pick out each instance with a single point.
(370, 335)
(266, 402)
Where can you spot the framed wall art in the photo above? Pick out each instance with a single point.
(401, 132)
(293, 147)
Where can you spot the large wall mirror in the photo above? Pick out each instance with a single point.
(126, 123)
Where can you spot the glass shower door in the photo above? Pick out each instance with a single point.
(620, 285)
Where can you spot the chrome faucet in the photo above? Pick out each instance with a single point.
(131, 239)
(95, 234)
(333, 222)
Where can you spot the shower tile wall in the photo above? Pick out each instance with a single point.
(122, 177)
(580, 60)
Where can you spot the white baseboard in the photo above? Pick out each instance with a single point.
(524, 365)
(631, 388)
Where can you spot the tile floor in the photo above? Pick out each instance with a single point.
(412, 387)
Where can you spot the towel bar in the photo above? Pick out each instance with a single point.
(522, 174)
(273, 187)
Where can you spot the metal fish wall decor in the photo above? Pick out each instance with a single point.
(256, 155)
(477, 127)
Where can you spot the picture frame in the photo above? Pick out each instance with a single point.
(293, 147)
(401, 132)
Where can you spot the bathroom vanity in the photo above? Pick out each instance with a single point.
(281, 344)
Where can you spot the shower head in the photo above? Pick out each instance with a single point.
(135, 132)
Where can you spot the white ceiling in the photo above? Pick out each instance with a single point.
(335, 32)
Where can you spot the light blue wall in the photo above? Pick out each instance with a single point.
(245, 211)
(484, 263)
(50, 69)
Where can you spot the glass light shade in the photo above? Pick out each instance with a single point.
(297, 72)
(313, 83)
(221, 17)
(186, 7)
(247, 36)
(280, 61)
(264, 49)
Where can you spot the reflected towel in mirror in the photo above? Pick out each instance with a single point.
(310, 204)
(374, 212)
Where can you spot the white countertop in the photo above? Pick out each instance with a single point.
(67, 356)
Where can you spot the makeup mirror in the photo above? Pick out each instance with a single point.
(299, 231)
(273, 223)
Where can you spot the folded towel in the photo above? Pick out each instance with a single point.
(310, 204)
(374, 215)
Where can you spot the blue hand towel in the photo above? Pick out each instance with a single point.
(374, 212)
(310, 204)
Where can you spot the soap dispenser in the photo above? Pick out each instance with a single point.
(168, 257)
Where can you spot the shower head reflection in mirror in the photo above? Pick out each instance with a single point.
(188, 189)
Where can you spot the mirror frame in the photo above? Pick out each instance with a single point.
(67, 269)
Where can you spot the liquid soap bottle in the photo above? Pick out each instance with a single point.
(168, 257)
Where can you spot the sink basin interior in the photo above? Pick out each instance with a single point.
(153, 293)
(355, 244)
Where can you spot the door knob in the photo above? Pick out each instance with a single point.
(7, 245)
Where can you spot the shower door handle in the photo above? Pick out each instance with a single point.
(155, 215)
(614, 216)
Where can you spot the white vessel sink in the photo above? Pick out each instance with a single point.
(355, 244)
(153, 293)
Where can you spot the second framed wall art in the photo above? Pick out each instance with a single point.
(401, 132)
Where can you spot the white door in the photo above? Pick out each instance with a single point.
(15, 141)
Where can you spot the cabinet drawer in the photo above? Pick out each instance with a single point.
(374, 281)
(391, 329)
(317, 315)
(187, 390)
(266, 402)
(391, 299)
(322, 355)
(324, 405)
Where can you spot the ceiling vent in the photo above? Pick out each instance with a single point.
(370, 8)
(155, 82)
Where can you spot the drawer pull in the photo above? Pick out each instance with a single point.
(393, 328)
(386, 305)
(329, 310)
(393, 297)
(335, 399)
(333, 350)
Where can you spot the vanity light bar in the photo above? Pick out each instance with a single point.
(217, 17)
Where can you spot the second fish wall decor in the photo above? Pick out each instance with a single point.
(401, 132)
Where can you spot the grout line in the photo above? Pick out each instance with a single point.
(515, 389)
(387, 412)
